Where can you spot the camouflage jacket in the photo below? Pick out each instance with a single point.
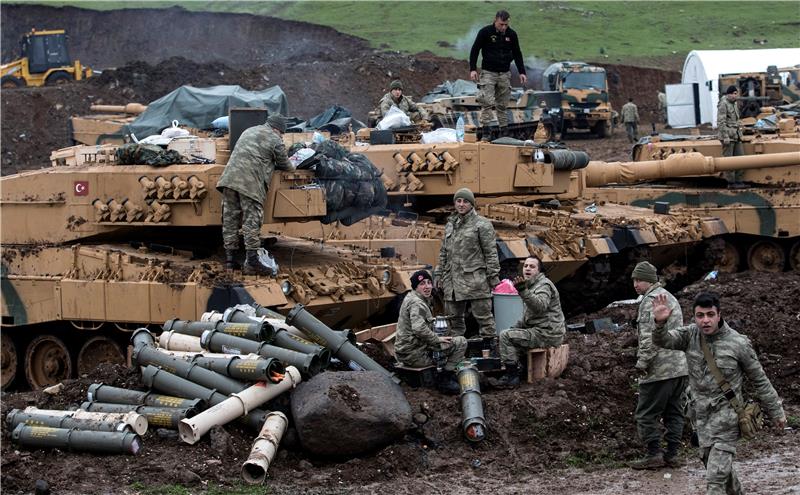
(414, 327)
(629, 113)
(258, 152)
(542, 309)
(657, 362)
(468, 263)
(715, 419)
(728, 120)
(405, 104)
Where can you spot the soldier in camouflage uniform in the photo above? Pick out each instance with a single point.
(630, 117)
(716, 420)
(499, 46)
(415, 339)
(243, 184)
(728, 130)
(469, 267)
(396, 98)
(662, 107)
(663, 376)
(542, 324)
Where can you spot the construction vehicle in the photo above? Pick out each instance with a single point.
(763, 89)
(44, 60)
(92, 249)
(585, 103)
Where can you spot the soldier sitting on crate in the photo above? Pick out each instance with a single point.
(416, 340)
(542, 324)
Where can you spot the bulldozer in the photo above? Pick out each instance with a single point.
(44, 60)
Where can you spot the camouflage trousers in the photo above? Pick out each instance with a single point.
(494, 91)
(733, 148)
(632, 129)
(454, 352)
(657, 400)
(239, 210)
(721, 476)
(481, 310)
(516, 340)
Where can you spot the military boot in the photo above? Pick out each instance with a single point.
(654, 459)
(446, 382)
(231, 263)
(671, 458)
(254, 265)
(485, 138)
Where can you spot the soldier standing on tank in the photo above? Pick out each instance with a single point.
(395, 97)
(243, 184)
(715, 418)
(416, 340)
(499, 45)
(663, 376)
(630, 117)
(728, 129)
(469, 267)
(542, 324)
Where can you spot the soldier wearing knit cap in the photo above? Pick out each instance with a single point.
(415, 339)
(396, 98)
(662, 379)
(469, 267)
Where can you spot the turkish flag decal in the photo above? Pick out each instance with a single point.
(81, 188)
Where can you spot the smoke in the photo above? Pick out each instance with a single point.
(464, 43)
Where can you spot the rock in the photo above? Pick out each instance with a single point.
(420, 419)
(349, 413)
(187, 477)
(54, 390)
(221, 441)
(304, 465)
(42, 487)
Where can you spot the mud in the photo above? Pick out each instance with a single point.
(327, 68)
(567, 435)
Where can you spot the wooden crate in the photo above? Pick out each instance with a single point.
(549, 362)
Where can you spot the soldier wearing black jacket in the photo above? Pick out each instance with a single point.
(500, 46)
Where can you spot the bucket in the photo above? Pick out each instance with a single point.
(508, 309)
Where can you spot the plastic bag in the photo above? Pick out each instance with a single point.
(317, 138)
(300, 156)
(440, 135)
(220, 123)
(393, 118)
(505, 287)
(174, 131)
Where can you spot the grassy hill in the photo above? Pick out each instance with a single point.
(647, 33)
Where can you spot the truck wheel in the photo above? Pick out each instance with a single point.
(11, 82)
(58, 78)
(600, 129)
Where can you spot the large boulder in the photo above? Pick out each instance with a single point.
(349, 413)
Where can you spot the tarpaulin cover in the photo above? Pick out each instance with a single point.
(198, 107)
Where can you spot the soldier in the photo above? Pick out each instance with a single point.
(243, 184)
(728, 130)
(468, 266)
(663, 376)
(630, 117)
(396, 98)
(499, 45)
(662, 107)
(716, 420)
(542, 324)
(415, 338)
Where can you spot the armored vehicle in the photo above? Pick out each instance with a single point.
(584, 96)
(762, 89)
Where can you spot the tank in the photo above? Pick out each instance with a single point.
(92, 249)
(760, 206)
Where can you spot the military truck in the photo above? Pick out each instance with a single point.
(585, 102)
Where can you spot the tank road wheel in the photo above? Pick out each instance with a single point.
(8, 361)
(98, 350)
(729, 259)
(766, 256)
(794, 256)
(47, 362)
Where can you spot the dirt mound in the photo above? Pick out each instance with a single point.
(316, 67)
(584, 418)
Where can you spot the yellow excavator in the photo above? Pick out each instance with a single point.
(44, 60)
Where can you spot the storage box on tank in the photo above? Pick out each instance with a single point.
(194, 147)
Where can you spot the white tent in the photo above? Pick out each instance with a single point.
(705, 66)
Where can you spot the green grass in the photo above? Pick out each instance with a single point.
(595, 31)
(141, 489)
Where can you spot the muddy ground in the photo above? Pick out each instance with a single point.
(567, 435)
(325, 68)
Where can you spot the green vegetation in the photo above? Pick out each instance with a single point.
(141, 489)
(595, 31)
(793, 421)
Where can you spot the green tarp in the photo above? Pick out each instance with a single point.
(198, 107)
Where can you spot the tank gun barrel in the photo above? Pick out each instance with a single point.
(681, 165)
